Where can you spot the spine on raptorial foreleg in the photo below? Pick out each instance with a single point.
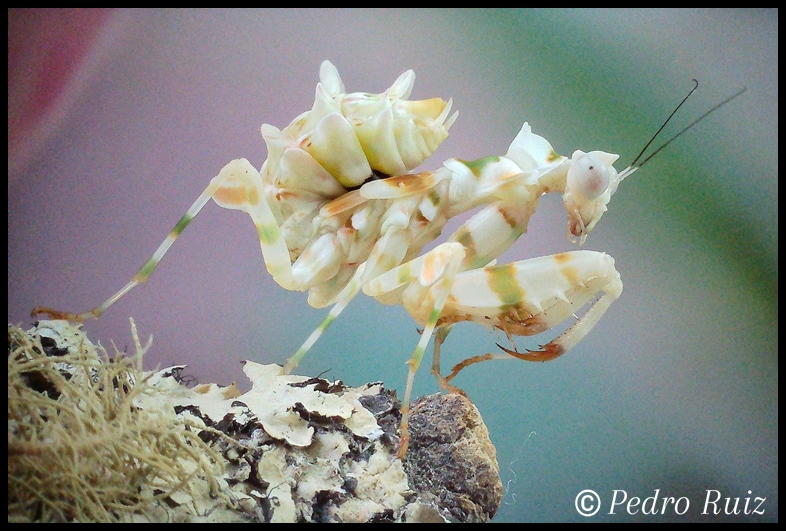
(342, 142)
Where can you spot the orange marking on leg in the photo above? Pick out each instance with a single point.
(411, 183)
(54, 314)
(235, 195)
(547, 352)
(464, 364)
(404, 430)
(342, 203)
(572, 274)
(432, 268)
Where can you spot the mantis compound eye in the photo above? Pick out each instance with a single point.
(591, 176)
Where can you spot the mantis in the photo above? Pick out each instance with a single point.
(337, 212)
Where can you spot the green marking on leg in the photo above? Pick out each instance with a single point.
(146, 270)
(295, 360)
(502, 281)
(404, 274)
(268, 234)
(417, 357)
(327, 322)
(181, 225)
(477, 165)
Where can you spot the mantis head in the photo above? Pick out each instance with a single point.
(590, 183)
(592, 179)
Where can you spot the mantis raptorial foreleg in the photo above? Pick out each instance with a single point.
(522, 298)
(600, 276)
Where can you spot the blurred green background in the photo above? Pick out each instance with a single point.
(675, 391)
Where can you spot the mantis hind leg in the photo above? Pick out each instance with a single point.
(346, 295)
(144, 272)
(444, 383)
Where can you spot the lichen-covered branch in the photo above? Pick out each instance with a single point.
(94, 439)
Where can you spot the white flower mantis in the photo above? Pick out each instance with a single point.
(336, 213)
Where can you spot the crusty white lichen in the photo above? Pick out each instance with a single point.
(290, 449)
(321, 457)
(271, 401)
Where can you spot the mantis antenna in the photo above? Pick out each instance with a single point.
(635, 165)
